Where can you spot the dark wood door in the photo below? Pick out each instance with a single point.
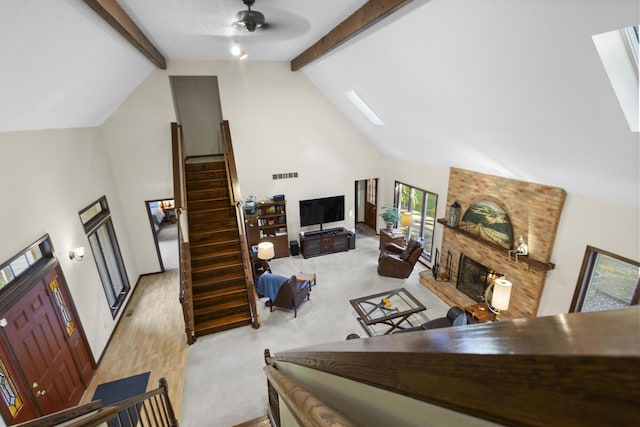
(39, 344)
(61, 300)
(371, 202)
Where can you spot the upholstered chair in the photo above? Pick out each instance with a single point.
(396, 261)
(291, 294)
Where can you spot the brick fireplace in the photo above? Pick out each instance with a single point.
(534, 211)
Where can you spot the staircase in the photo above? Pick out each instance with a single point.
(220, 297)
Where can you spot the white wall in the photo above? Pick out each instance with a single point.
(197, 106)
(279, 123)
(47, 178)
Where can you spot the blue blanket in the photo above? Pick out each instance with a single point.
(269, 285)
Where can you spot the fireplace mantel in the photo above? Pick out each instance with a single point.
(532, 262)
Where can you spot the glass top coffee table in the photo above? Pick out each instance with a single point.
(391, 308)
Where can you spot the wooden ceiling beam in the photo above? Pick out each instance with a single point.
(111, 12)
(363, 18)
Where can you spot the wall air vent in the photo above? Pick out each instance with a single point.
(285, 175)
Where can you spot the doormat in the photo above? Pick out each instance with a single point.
(119, 390)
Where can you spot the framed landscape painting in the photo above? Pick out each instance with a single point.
(490, 222)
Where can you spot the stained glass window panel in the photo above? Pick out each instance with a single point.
(8, 390)
(55, 290)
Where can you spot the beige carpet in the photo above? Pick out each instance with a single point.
(168, 245)
(224, 382)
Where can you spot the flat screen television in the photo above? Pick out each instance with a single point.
(321, 211)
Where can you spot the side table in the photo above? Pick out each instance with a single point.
(311, 277)
(480, 312)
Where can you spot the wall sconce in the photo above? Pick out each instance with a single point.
(77, 253)
(454, 214)
(521, 250)
(405, 221)
(266, 252)
(500, 296)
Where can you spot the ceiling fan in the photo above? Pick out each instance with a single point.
(249, 19)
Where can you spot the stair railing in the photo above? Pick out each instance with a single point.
(180, 201)
(568, 369)
(235, 200)
(150, 409)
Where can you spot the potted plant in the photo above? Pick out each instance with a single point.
(390, 215)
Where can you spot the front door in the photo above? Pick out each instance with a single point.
(371, 202)
(40, 346)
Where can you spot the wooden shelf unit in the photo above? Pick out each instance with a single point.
(532, 262)
(269, 224)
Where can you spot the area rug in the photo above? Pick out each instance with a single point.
(119, 390)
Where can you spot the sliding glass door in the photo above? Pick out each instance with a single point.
(422, 206)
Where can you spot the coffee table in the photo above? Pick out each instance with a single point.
(392, 308)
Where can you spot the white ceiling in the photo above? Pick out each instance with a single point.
(507, 87)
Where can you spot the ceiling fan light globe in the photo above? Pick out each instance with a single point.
(249, 20)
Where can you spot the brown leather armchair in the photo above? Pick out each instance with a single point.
(396, 261)
(291, 294)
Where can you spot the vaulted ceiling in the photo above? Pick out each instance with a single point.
(505, 87)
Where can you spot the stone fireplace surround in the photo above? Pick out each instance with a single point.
(534, 211)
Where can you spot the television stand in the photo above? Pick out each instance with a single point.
(323, 242)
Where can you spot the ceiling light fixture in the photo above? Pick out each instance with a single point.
(237, 51)
(249, 19)
(363, 107)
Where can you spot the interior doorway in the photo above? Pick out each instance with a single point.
(162, 217)
(366, 203)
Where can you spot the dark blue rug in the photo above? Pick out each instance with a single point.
(119, 390)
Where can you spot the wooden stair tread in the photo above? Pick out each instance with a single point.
(212, 308)
(223, 251)
(194, 243)
(217, 266)
(223, 323)
(216, 293)
(219, 280)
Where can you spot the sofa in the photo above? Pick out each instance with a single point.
(455, 317)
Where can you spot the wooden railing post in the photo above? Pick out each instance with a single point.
(173, 422)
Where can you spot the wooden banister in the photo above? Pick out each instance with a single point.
(177, 165)
(570, 369)
(234, 192)
(184, 260)
(150, 408)
(306, 408)
(63, 416)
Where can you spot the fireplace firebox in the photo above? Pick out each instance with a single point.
(473, 278)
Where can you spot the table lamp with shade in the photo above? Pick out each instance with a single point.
(266, 252)
(405, 221)
(500, 297)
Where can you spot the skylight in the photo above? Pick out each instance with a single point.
(362, 106)
(618, 51)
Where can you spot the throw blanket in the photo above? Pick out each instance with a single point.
(269, 285)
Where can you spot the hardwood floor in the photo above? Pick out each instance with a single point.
(149, 337)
